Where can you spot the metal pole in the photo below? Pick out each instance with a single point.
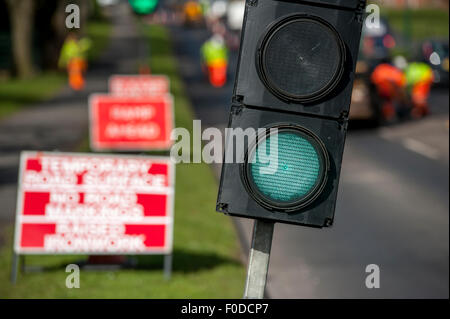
(167, 266)
(22, 264)
(258, 264)
(15, 266)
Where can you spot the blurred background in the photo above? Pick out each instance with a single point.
(393, 201)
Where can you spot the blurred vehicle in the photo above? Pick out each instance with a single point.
(376, 46)
(378, 42)
(218, 9)
(388, 93)
(364, 102)
(193, 14)
(235, 14)
(435, 53)
(234, 19)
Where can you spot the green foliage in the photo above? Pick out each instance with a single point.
(98, 31)
(96, 13)
(424, 23)
(15, 93)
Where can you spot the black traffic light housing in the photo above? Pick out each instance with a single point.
(295, 73)
(234, 195)
(343, 19)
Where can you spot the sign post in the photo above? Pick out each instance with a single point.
(168, 266)
(76, 203)
(258, 264)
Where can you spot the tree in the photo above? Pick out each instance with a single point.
(22, 18)
(49, 26)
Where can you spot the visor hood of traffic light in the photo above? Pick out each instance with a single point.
(286, 169)
(301, 58)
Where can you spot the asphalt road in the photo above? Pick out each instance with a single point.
(392, 209)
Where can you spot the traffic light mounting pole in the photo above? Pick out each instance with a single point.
(258, 264)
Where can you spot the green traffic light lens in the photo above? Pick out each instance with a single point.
(287, 170)
(298, 168)
(143, 6)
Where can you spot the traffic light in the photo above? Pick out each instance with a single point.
(293, 87)
(143, 6)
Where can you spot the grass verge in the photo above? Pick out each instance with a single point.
(424, 23)
(17, 93)
(205, 258)
(98, 31)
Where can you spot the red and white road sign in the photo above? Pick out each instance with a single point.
(130, 123)
(138, 85)
(71, 203)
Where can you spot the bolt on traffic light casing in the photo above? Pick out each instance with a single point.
(295, 74)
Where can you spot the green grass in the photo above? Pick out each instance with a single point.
(425, 23)
(16, 93)
(206, 263)
(98, 31)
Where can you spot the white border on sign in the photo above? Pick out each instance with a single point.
(19, 203)
(115, 76)
(168, 247)
(128, 146)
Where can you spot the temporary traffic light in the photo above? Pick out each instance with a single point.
(143, 6)
(294, 80)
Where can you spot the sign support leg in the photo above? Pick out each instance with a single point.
(14, 268)
(167, 266)
(258, 264)
(22, 264)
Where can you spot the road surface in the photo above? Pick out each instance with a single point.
(392, 207)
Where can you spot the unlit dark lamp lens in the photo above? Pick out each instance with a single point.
(301, 58)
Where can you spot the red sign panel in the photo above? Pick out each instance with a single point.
(138, 85)
(130, 123)
(96, 204)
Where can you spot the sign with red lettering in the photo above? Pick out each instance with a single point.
(138, 85)
(75, 203)
(130, 123)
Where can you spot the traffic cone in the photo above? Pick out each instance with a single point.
(75, 69)
(218, 74)
(76, 81)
